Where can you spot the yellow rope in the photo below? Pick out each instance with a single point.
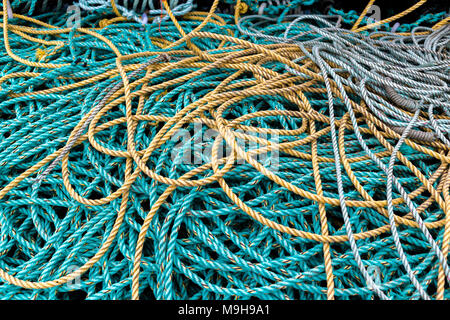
(363, 14)
(267, 82)
(240, 8)
(388, 20)
(114, 7)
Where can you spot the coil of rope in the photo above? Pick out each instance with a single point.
(261, 207)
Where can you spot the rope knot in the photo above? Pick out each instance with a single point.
(104, 22)
(242, 8)
(41, 53)
(165, 57)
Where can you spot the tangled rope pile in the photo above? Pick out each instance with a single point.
(201, 159)
(274, 7)
(137, 9)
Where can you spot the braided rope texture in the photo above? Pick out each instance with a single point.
(200, 158)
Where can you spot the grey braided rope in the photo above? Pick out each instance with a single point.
(390, 208)
(371, 284)
(391, 177)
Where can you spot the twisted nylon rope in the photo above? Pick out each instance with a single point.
(134, 9)
(401, 101)
(109, 92)
(129, 215)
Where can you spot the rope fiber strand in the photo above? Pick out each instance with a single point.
(158, 152)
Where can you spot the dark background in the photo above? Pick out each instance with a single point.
(388, 7)
(391, 7)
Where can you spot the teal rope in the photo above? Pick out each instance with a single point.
(199, 246)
